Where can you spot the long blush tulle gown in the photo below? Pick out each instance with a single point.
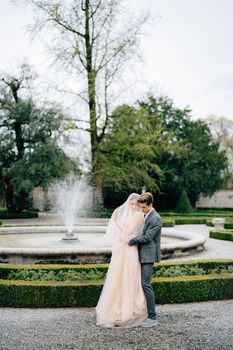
(122, 302)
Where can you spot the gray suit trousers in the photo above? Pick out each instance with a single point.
(146, 271)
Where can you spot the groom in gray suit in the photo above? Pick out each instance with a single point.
(148, 243)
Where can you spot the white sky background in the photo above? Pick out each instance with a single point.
(188, 51)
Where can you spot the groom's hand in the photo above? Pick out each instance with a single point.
(130, 242)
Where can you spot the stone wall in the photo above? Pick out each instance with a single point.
(221, 199)
(39, 198)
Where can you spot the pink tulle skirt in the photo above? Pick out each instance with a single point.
(122, 302)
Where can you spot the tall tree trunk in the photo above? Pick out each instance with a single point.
(19, 140)
(9, 196)
(95, 164)
(15, 204)
(91, 80)
(21, 201)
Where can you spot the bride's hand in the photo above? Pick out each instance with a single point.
(125, 239)
(130, 237)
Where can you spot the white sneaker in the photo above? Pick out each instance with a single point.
(149, 322)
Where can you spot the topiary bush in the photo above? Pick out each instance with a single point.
(184, 205)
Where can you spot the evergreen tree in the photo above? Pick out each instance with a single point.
(29, 151)
(184, 205)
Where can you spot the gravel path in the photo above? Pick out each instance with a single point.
(194, 326)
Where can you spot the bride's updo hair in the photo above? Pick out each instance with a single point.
(133, 196)
(146, 198)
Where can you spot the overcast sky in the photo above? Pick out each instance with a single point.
(188, 50)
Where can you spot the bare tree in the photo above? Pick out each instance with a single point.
(97, 38)
(222, 131)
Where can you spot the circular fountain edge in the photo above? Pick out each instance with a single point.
(191, 242)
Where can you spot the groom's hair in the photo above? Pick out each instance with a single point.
(147, 198)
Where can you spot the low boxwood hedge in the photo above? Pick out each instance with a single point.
(24, 215)
(203, 213)
(228, 224)
(226, 235)
(193, 288)
(214, 209)
(86, 293)
(186, 220)
(48, 294)
(207, 265)
(167, 290)
(168, 222)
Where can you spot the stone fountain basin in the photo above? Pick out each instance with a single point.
(44, 244)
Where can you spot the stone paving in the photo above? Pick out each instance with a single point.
(193, 326)
(214, 248)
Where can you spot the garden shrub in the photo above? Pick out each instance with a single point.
(228, 225)
(168, 222)
(59, 275)
(226, 235)
(199, 214)
(193, 288)
(4, 215)
(196, 280)
(184, 205)
(214, 209)
(187, 220)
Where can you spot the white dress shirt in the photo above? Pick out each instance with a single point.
(148, 213)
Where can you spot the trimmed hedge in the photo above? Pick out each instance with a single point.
(226, 235)
(47, 294)
(168, 222)
(207, 214)
(104, 213)
(167, 290)
(5, 270)
(228, 224)
(207, 265)
(192, 220)
(86, 294)
(214, 209)
(193, 288)
(186, 220)
(23, 215)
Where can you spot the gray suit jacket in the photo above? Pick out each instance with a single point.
(149, 240)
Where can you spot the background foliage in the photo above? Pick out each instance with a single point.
(158, 147)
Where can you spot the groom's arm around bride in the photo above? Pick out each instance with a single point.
(149, 240)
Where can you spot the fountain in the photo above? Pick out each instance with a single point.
(67, 198)
(47, 244)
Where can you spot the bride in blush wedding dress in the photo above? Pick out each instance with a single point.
(122, 301)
